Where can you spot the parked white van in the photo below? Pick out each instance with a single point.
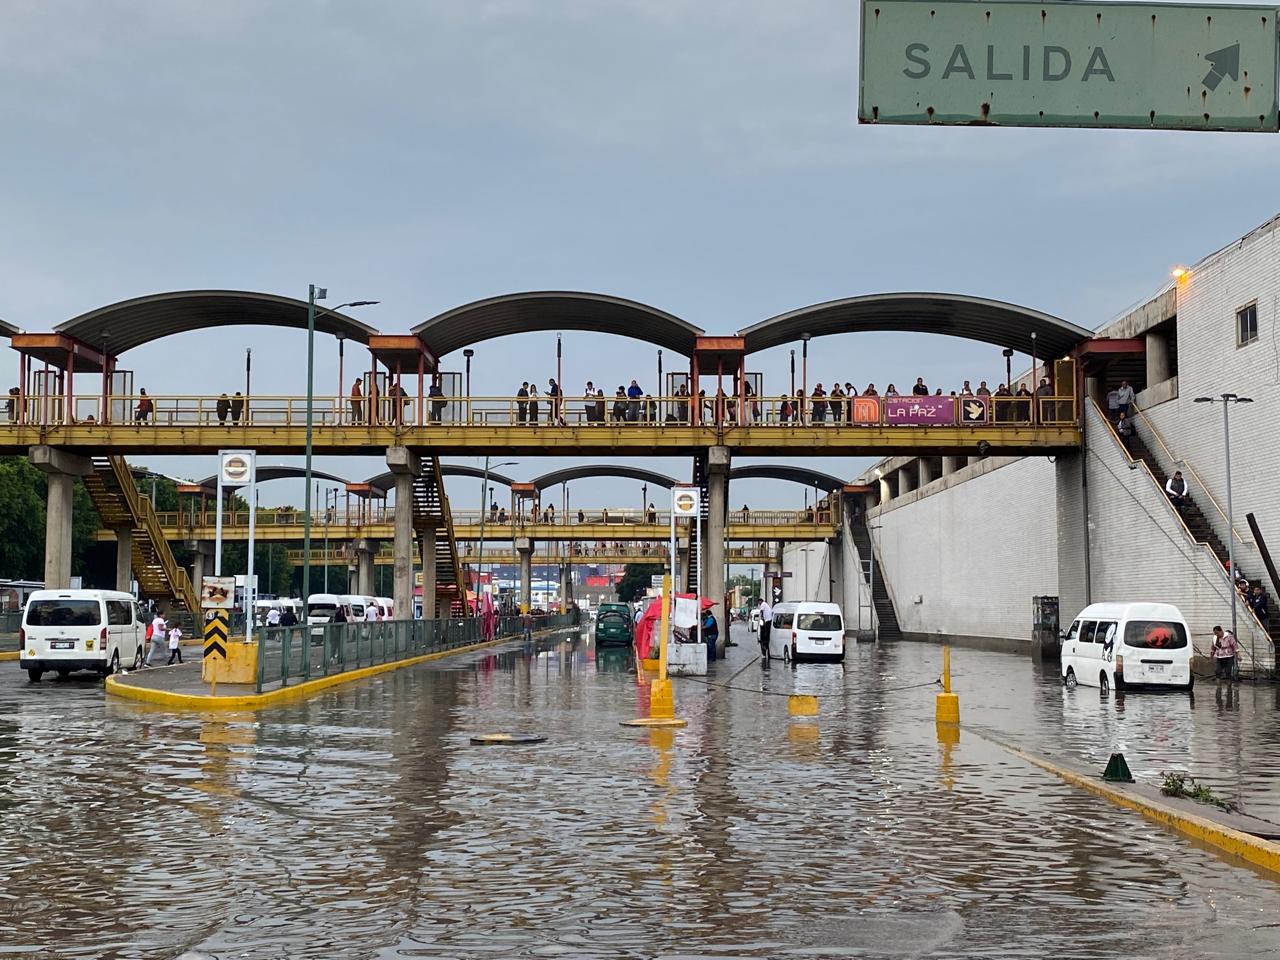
(806, 629)
(386, 607)
(1124, 645)
(66, 630)
(356, 604)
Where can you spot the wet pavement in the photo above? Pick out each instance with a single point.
(363, 823)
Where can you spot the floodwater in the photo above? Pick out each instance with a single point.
(363, 823)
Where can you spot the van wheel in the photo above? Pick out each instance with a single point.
(1069, 681)
(786, 653)
(137, 659)
(114, 666)
(794, 659)
(34, 674)
(1103, 683)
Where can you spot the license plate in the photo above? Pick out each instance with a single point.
(819, 642)
(1156, 667)
(62, 644)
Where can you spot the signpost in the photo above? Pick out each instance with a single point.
(1065, 64)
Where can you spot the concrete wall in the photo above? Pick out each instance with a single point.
(974, 548)
(810, 567)
(1139, 550)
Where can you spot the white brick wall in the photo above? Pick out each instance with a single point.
(810, 569)
(976, 554)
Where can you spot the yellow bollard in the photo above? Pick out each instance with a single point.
(662, 707)
(802, 705)
(948, 703)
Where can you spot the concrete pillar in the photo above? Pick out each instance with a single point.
(124, 559)
(925, 466)
(524, 548)
(949, 465)
(886, 491)
(717, 506)
(906, 480)
(364, 567)
(427, 546)
(835, 561)
(1158, 367)
(61, 469)
(566, 586)
(405, 465)
(200, 567)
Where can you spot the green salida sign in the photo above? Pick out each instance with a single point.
(1068, 64)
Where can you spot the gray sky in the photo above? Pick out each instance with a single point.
(703, 157)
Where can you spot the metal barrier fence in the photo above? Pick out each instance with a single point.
(10, 624)
(305, 652)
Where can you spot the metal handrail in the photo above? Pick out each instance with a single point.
(1187, 465)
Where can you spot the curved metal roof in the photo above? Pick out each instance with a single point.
(603, 470)
(131, 323)
(772, 471)
(266, 474)
(387, 481)
(989, 321)
(555, 310)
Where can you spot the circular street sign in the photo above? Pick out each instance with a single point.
(235, 468)
(685, 502)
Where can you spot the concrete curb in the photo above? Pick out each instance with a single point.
(258, 701)
(1254, 850)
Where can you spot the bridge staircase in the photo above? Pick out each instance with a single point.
(120, 504)
(886, 615)
(697, 548)
(431, 509)
(1197, 523)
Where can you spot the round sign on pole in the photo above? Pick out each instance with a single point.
(236, 468)
(684, 501)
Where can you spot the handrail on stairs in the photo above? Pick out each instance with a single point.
(144, 515)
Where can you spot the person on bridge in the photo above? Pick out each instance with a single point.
(1124, 397)
(682, 403)
(634, 393)
(493, 512)
(534, 412)
(438, 403)
(819, 397)
(983, 390)
(143, 413)
(357, 401)
(1176, 490)
(589, 408)
(522, 403)
(223, 408)
(555, 407)
(582, 516)
(766, 624)
(837, 403)
(920, 389)
(620, 405)
(1124, 428)
(600, 405)
(652, 515)
(891, 391)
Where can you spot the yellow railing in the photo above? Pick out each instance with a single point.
(140, 508)
(782, 412)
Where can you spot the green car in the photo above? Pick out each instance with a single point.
(614, 624)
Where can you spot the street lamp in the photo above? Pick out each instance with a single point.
(314, 293)
(1008, 368)
(1227, 399)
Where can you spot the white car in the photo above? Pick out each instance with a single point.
(806, 629)
(753, 621)
(66, 630)
(1125, 645)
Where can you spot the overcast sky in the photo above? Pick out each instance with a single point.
(703, 157)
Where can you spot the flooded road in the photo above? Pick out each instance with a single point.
(363, 823)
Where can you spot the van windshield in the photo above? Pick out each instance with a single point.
(63, 613)
(322, 609)
(1155, 635)
(819, 621)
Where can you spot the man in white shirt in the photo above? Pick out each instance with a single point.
(1175, 489)
(766, 622)
(273, 617)
(159, 638)
(371, 613)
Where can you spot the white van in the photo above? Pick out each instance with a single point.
(386, 607)
(65, 630)
(806, 629)
(356, 604)
(1124, 645)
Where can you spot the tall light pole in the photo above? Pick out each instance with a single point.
(314, 293)
(1227, 399)
(804, 373)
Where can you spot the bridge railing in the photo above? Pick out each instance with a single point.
(822, 412)
(292, 654)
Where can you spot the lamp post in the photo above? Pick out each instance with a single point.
(314, 293)
(484, 512)
(1227, 399)
(468, 353)
(793, 374)
(1035, 384)
(1008, 368)
(804, 373)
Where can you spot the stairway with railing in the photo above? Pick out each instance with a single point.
(1195, 519)
(431, 509)
(886, 615)
(696, 545)
(119, 504)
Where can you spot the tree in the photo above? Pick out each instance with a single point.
(22, 511)
(636, 579)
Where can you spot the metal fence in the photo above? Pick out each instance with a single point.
(10, 624)
(305, 652)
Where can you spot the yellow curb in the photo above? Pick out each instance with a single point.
(9, 655)
(1259, 852)
(300, 691)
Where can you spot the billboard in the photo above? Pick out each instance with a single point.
(1068, 64)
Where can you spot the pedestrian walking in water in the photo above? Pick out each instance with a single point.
(1225, 648)
(766, 624)
(175, 644)
(223, 408)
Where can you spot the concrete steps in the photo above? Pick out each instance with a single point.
(886, 615)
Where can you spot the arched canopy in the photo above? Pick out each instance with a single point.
(555, 310)
(988, 321)
(265, 474)
(131, 323)
(772, 471)
(385, 482)
(603, 470)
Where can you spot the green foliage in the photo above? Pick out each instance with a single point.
(22, 511)
(1181, 785)
(636, 578)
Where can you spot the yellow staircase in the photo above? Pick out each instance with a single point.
(431, 509)
(119, 504)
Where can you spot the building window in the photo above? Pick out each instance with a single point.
(1246, 325)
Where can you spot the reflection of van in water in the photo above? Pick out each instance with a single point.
(806, 629)
(1127, 645)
